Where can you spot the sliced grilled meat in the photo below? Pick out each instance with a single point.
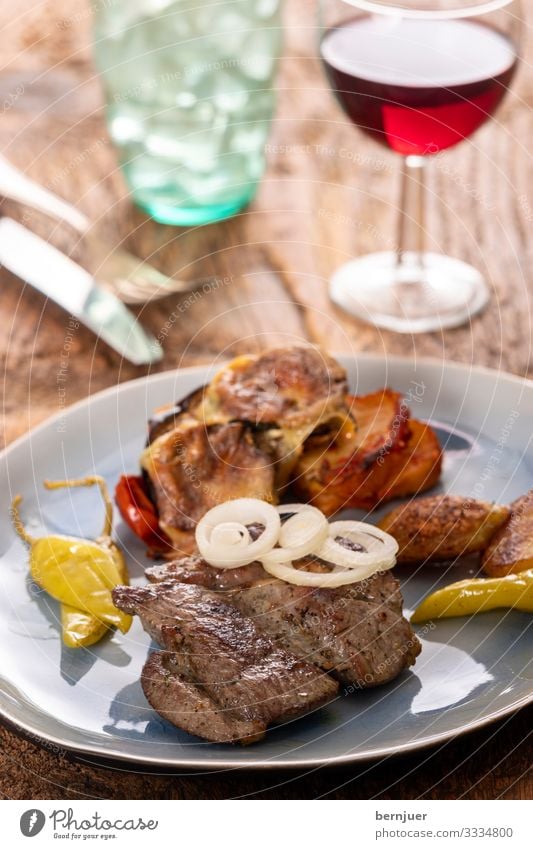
(194, 570)
(191, 707)
(357, 633)
(219, 663)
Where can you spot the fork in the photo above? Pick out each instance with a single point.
(132, 279)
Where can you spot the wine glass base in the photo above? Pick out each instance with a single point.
(412, 296)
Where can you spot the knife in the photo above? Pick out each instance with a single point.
(68, 284)
(133, 280)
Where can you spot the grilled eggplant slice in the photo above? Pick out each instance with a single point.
(166, 418)
(283, 395)
(293, 388)
(443, 527)
(193, 467)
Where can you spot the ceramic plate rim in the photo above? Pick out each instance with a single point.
(219, 763)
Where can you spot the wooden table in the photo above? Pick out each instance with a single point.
(328, 195)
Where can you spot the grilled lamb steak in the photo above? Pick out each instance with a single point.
(191, 707)
(357, 633)
(220, 677)
(194, 570)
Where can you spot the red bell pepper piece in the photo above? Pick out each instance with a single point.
(139, 513)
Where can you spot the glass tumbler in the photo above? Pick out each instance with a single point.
(189, 100)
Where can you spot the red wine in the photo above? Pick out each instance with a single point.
(418, 86)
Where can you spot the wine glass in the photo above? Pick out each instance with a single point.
(418, 76)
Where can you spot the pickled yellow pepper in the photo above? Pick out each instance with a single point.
(478, 595)
(79, 573)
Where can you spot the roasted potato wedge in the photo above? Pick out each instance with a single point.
(337, 473)
(511, 548)
(382, 420)
(443, 527)
(381, 454)
(408, 470)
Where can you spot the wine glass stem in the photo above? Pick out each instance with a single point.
(411, 229)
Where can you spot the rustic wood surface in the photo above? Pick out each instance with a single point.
(328, 195)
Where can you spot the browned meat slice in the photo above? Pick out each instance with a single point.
(194, 570)
(191, 707)
(192, 468)
(234, 669)
(357, 633)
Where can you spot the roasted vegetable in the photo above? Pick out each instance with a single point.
(442, 527)
(336, 473)
(139, 513)
(382, 420)
(79, 573)
(239, 436)
(478, 595)
(416, 467)
(296, 388)
(511, 548)
(378, 454)
(194, 467)
(413, 467)
(281, 420)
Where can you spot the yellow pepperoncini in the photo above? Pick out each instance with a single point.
(478, 595)
(79, 628)
(79, 573)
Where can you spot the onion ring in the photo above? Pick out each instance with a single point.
(356, 550)
(223, 538)
(322, 580)
(379, 548)
(304, 532)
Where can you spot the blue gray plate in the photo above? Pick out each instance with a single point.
(471, 671)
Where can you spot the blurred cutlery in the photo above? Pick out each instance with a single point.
(133, 280)
(68, 284)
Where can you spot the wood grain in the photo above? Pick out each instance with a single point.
(328, 195)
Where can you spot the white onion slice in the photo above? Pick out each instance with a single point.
(225, 542)
(380, 548)
(325, 580)
(301, 534)
(223, 539)
(231, 534)
(350, 567)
